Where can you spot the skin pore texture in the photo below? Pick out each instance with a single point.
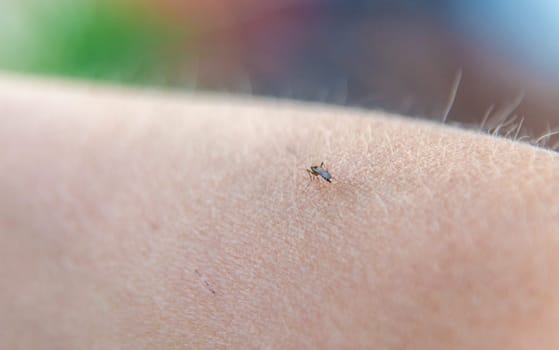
(156, 220)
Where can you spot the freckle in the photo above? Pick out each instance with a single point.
(146, 252)
(154, 226)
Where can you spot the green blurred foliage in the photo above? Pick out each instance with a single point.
(97, 40)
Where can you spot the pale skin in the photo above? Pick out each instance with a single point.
(161, 220)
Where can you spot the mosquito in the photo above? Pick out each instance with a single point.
(321, 171)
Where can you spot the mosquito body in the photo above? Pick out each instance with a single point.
(321, 171)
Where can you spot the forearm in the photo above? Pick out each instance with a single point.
(151, 220)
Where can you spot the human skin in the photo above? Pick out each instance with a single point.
(157, 220)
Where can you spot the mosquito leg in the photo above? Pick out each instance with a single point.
(310, 174)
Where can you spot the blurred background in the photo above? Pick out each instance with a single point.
(500, 57)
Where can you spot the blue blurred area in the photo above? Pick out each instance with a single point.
(526, 31)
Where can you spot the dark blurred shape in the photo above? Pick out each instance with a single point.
(397, 55)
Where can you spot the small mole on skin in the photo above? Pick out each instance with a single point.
(205, 282)
(154, 226)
